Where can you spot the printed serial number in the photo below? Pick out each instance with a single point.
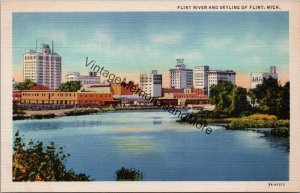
(276, 184)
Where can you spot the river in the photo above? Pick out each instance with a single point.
(152, 142)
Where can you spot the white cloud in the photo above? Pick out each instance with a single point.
(167, 38)
(103, 38)
(254, 61)
(55, 34)
(213, 42)
(99, 43)
(190, 58)
(282, 46)
(250, 42)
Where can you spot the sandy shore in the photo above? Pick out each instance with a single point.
(60, 112)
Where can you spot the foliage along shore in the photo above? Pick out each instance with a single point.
(278, 127)
(265, 106)
(33, 161)
(21, 115)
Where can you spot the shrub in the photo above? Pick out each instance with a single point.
(280, 132)
(82, 112)
(47, 116)
(283, 123)
(262, 117)
(17, 110)
(108, 109)
(34, 163)
(125, 174)
(19, 117)
(242, 123)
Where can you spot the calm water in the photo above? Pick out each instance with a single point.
(152, 142)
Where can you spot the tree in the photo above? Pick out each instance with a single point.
(125, 174)
(239, 102)
(219, 95)
(34, 163)
(283, 102)
(272, 98)
(25, 85)
(229, 99)
(70, 86)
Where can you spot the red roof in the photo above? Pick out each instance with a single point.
(172, 90)
(41, 87)
(199, 91)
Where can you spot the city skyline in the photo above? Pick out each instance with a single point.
(134, 43)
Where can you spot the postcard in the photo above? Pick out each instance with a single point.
(150, 96)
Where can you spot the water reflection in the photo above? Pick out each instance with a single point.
(137, 144)
(281, 143)
(157, 121)
(164, 150)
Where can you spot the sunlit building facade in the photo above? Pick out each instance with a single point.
(257, 78)
(180, 76)
(44, 67)
(151, 83)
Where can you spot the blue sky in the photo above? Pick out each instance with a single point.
(129, 43)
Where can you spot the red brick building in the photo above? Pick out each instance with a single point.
(16, 96)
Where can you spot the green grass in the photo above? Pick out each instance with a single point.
(243, 123)
(247, 122)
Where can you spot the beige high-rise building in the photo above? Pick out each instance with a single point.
(151, 83)
(44, 67)
(204, 77)
(180, 76)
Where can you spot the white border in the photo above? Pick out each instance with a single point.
(7, 8)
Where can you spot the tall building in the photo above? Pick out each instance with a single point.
(204, 77)
(257, 78)
(86, 80)
(180, 77)
(43, 67)
(151, 83)
(201, 77)
(214, 76)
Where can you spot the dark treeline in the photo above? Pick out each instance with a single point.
(267, 98)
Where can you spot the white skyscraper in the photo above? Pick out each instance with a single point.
(204, 78)
(257, 78)
(180, 77)
(214, 76)
(201, 77)
(151, 83)
(43, 67)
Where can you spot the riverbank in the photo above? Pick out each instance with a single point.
(275, 127)
(47, 114)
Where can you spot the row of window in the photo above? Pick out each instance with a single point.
(91, 82)
(62, 101)
(66, 94)
(42, 58)
(95, 95)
